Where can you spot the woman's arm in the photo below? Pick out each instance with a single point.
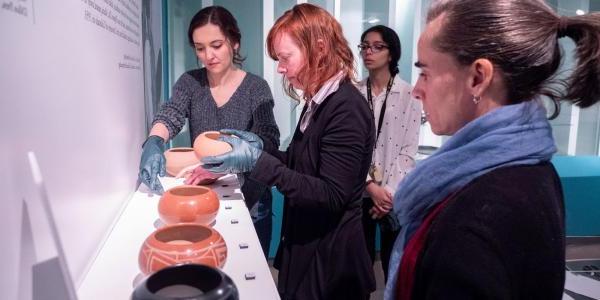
(167, 123)
(159, 129)
(263, 120)
(346, 142)
(172, 115)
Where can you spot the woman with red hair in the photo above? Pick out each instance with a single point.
(322, 254)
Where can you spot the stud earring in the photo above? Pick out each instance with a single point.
(476, 99)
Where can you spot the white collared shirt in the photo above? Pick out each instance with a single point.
(397, 145)
(329, 87)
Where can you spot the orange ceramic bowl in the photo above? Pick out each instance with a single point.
(208, 144)
(180, 244)
(188, 204)
(179, 158)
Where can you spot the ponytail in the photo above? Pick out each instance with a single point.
(583, 85)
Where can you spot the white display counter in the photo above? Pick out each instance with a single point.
(115, 271)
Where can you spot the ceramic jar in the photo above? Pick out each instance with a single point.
(179, 158)
(208, 144)
(187, 282)
(182, 243)
(188, 204)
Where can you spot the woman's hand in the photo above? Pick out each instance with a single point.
(196, 174)
(376, 213)
(382, 200)
(252, 138)
(242, 158)
(152, 163)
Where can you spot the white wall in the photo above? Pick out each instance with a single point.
(69, 94)
(351, 18)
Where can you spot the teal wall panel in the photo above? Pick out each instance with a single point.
(277, 217)
(580, 179)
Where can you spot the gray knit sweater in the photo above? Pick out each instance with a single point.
(250, 108)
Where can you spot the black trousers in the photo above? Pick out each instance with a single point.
(388, 237)
(259, 201)
(262, 217)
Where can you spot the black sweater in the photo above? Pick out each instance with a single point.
(501, 237)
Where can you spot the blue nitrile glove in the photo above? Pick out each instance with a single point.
(240, 159)
(152, 163)
(254, 140)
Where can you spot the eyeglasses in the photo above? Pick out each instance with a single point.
(376, 48)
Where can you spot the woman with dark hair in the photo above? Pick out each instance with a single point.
(219, 95)
(322, 253)
(483, 217)
(397, 121)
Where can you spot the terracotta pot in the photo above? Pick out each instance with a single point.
(207, 144)
(182, 243)
(188, 204)
(179, 158)
(187, 282)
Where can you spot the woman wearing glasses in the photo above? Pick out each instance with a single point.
(397, 119)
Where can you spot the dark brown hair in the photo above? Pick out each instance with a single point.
(520, 37)
(222, 18)
(306, 24)
(390, 37)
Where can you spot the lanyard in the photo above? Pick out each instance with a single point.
(372, 107)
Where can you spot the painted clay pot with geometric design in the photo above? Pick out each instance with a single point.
(179, 158)
(208, 144)
(188, 204)
(182, 243)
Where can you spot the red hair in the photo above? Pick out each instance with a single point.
(306, 24)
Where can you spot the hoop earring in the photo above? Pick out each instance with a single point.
(476, 99)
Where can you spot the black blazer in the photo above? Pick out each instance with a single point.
(323, 254)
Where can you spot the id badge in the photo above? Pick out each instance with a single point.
(375, 174)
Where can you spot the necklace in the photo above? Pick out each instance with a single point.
(372, 107)
(374, 172)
